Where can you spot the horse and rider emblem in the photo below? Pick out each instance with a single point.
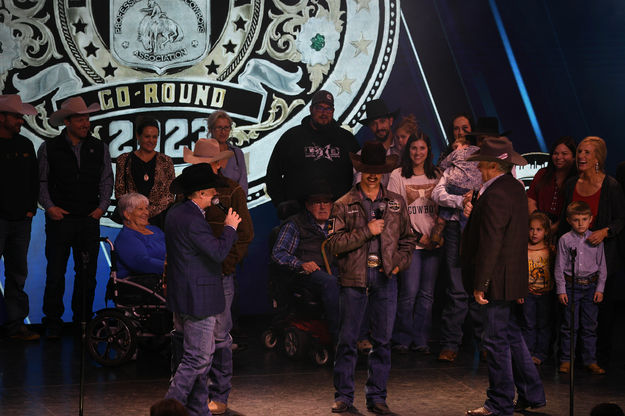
(160, 35)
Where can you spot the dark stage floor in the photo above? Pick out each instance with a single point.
(42, 378)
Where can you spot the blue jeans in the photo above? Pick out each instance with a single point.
(14, 241)
(537, 324)
(380, 296)
(586, 314)
(455, 310)
(327, 287)
(189, 384)
(416, 295)
(509, 362)
(221, 369)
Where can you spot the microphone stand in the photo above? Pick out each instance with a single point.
(83, 330)
(572, 335)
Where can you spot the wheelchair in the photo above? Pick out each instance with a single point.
(298, 326)
(140, 317)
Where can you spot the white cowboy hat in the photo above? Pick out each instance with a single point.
(206, 151)
(12, 103)
(70, 107)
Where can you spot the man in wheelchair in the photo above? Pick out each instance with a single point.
(298, 249)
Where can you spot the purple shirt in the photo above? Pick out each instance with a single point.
(589, 261)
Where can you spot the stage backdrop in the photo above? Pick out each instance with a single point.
(544, 68)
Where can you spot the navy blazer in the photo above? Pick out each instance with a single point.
(194, 257)
(494, 242)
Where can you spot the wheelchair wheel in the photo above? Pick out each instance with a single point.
(295, 343)
(321, 356)
(270, 340)
(111, 338)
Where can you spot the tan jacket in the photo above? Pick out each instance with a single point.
(349, 235)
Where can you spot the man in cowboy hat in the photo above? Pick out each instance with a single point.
(380, 120)
(494, 261)
(298, 249)
(318, 147)
(76, 183)
(19, 185)
(372, 239)
(195, 292)
(231, 195)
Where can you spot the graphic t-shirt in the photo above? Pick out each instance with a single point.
(417, 192)
(539, 264)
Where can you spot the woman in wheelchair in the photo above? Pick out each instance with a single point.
(140, 246)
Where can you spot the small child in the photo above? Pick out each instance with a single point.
(537, 304)
(588, 282)
(461, 177)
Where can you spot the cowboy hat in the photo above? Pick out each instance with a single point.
(373, 159)
(377, 109)
(70, 107)
(195, 178)
(487, 126)
(206, 151)
(12, 103)
(497, 149)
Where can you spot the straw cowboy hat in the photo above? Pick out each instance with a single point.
(206, 151)
(497, 149)
(12, 103)
(377, 109)
(195, 178)
(373, 159)
(70, 107)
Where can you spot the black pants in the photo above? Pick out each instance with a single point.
(80, 234)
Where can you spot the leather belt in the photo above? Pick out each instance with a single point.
(582, 280)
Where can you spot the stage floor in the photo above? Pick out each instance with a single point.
(42, 378)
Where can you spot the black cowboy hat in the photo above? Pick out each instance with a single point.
(377, 109)
(195, 178)
(373, 159)
(487, 126)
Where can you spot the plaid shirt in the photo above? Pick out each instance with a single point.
(283, 251)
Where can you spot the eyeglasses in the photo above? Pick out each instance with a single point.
(324, 109)
(224, 128)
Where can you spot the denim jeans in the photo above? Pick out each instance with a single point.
(416, 296)
(381, 297)
(80, 234)
(509, 362)
(456, 307)
(537, 324)
(189, 384)
(325, 286)
(220, 374)
(14, 241)
(586, 314)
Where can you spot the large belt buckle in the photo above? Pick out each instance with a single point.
(373, 260)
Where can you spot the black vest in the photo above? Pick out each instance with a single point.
(72, 188)
(310, 239)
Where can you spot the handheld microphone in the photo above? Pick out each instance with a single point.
(474, 197)
(215, 202)
(379, 211)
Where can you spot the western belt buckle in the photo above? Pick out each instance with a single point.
(373, 260)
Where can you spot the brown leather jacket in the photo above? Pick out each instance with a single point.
(349, 234)
(232, 196)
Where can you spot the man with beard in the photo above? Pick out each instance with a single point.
(380, 120)
(316, 149)
(19, 186)
(76, 183)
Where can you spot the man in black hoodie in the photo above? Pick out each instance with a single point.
(317, 149)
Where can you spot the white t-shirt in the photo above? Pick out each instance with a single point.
(417, 192)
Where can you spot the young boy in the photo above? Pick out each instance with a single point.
(588, 281)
